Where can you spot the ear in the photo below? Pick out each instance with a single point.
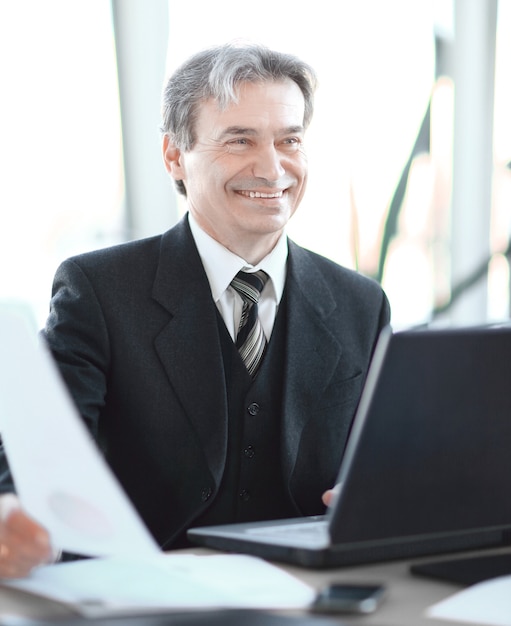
(172, 158)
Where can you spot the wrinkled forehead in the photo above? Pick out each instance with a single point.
(273, 105)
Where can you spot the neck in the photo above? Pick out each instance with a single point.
(252, 251)
(252, 247)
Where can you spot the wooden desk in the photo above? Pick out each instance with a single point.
(407, 597)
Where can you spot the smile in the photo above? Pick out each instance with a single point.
(260, 194)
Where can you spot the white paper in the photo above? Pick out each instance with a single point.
(60, 475)
(64, 482)
(123, 585)
(488, 603)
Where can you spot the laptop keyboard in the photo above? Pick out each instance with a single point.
(309, 532)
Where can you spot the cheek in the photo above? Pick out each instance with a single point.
(194, 178)
(206, 185)
(303, 164)
(298, 166)
(211, 171)
(301, 173)
(300, 191)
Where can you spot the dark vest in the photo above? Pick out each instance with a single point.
(252, 486)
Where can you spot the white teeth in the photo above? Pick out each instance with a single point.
(258, 194)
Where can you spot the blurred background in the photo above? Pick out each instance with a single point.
(409, 149)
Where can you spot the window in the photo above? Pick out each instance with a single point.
(60, 152)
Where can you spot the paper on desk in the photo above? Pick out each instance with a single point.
(123, 585)
(488, 603)
(64, 482)
(60, 475)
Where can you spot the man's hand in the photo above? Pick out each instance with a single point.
(329, 496)
(24, 544)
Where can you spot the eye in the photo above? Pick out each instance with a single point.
(238, 145)
(292, 143)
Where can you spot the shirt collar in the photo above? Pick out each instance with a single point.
(222, 265)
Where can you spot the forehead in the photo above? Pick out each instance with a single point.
(259, 106)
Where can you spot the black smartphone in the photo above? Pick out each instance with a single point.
(348, 598)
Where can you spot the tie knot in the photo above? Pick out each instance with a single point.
(250, 285)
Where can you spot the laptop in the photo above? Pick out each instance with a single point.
(427, 468)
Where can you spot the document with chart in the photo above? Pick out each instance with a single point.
(64, 482)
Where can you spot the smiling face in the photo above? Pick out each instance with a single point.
(246, 173)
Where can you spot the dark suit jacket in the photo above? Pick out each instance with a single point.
(135, 332)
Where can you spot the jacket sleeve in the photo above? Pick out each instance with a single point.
(76, 334)
(77, 337)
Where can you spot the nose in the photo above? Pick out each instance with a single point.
(268, 163)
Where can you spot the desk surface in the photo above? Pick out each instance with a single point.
(408, 596)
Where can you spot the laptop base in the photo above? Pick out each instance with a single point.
(344, 555)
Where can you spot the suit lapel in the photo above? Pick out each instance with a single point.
(313, 352)
(190, 352)
(189, 345)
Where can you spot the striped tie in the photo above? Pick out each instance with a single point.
(250, 341)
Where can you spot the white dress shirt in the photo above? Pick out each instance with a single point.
(221, 267)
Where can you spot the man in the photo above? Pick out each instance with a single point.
(144, 333)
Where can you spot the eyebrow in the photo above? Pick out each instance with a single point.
(231, 131)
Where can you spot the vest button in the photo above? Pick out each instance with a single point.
(206, 494)
(249, 452)
(253, 408)
(244, 495)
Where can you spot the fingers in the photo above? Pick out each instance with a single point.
(328, 496)
(24, 544)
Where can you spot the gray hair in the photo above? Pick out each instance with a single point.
(217, 73)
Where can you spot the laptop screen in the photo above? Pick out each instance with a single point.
(429, 453)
